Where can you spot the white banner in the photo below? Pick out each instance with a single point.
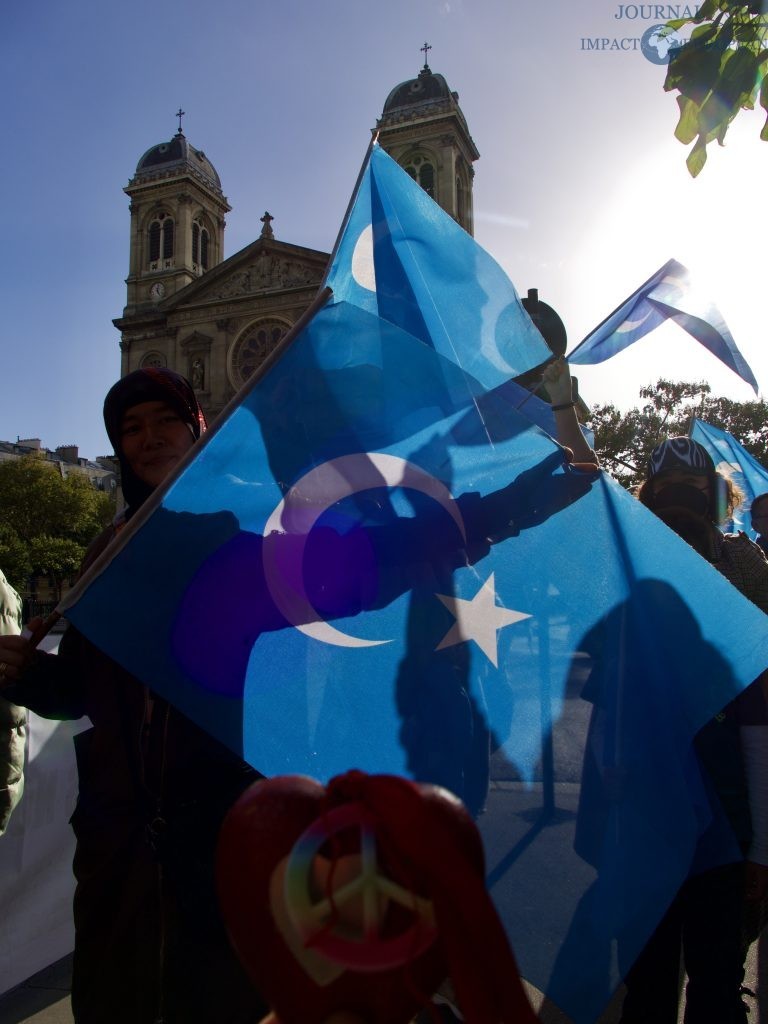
(36, 882)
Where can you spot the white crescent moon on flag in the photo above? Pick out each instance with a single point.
(363, 269)
(302, 506)
(630, 325)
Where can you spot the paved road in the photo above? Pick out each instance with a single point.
(44, 999)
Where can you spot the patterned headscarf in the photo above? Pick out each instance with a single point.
(153, 384)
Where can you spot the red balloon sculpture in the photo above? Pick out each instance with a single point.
(355, 902)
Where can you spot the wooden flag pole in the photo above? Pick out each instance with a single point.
(42, 629)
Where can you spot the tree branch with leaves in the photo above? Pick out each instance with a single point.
(624, 441)
(721, 70)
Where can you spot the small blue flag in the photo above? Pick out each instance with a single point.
(733, 458)
(668, 295)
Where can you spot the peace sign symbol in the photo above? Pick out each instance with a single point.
(310, 917)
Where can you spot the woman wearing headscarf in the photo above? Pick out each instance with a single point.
(153, 787)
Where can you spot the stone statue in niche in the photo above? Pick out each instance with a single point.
(198, 374)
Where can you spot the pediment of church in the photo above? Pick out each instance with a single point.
(261, 268)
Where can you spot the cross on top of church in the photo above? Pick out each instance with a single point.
(180, 113)
(425, 50)
(266, 220)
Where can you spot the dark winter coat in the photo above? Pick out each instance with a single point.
(153, 788)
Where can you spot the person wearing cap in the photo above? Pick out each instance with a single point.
(153, 787)
(684, 489)
(759, 514)
(710, 915)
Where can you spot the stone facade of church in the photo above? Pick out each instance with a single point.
(214, 319)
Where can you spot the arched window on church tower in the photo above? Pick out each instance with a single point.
(461, 206)
(161, 242)
(422, 170)
(167, 239)
(427, 179)
(200, 246)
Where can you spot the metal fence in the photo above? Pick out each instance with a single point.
(31, 608)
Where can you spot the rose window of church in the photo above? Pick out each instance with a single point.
(253, 348)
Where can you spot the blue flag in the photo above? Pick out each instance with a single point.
(668, 295)
(403, 258)
(353, 572)
(733, 458)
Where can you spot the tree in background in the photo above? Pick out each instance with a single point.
(57, 557)
(46, 520)
(720, 70)
(14, 558)
(624, 441)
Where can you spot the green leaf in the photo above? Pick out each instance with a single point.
(697, 157)
(688, 126)
(722, 130)
(712, 114)
(707, 10)
(693, 70)
(704, 34)
(764, 93)
(764, 105)
(737, 77)
(746, 31)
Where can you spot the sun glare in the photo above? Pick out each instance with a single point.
(715, 225)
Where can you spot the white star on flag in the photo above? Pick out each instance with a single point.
(479, 619)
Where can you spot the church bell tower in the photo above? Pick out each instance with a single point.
(423, 128)
(177, 221)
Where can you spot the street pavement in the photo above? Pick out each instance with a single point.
(44, 998)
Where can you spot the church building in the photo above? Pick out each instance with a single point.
(214, 319)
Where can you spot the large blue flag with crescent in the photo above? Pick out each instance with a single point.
(733, 458)
(373, 563)
(667, 295)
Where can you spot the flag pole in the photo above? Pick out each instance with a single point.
(155, 499)
(42, 629)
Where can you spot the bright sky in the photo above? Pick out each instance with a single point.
(581, 190)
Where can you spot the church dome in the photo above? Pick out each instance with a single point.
(426, 88)
(174, 157)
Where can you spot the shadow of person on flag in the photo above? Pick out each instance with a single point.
(441, 696)
(346, 567)
(649, 816)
